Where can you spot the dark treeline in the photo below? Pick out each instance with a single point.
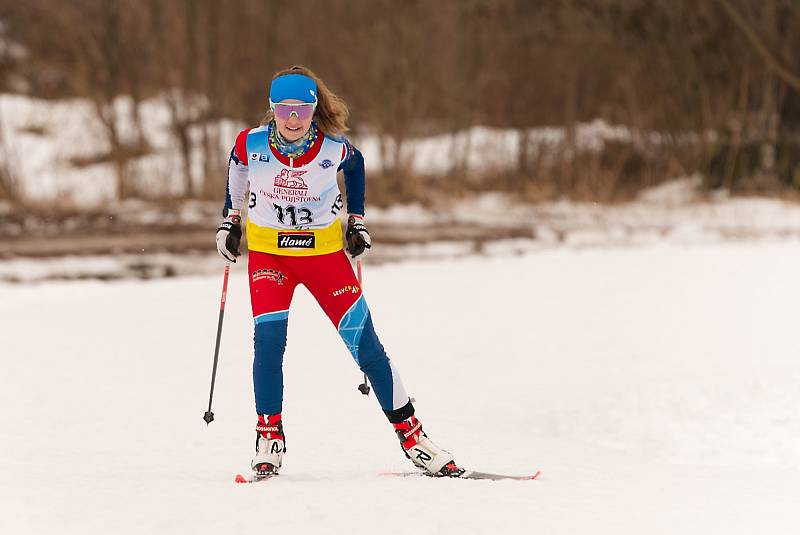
(710, 86)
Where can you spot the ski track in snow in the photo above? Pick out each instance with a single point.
(656, 388)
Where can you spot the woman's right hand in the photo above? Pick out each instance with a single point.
(229, 236)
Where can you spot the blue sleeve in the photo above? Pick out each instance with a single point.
(354, 179)
(228, 201)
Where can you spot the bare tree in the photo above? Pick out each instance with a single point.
(708, 86)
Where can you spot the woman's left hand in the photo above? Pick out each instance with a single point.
(357, 236)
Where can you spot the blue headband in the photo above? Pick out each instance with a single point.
(293, 86)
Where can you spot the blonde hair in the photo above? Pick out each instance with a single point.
(331, 113)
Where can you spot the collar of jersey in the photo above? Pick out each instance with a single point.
(292, 149)
(303, 159)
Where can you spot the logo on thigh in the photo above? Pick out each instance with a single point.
(268, 274)
(346, 290)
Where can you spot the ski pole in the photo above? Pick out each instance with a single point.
(209, 416)
(363, 387)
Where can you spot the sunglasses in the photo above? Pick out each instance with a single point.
(303, 110)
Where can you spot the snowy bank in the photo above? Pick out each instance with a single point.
(58, 150)
(492, 225)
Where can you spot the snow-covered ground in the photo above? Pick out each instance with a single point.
(657, 388)
(492, 224)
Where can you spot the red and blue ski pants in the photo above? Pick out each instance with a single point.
(331, 281)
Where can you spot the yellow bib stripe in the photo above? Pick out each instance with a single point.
(289, 242)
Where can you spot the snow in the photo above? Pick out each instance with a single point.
(670, 214)
(108, 267)
(642, 355)
(673, 212)
(483, 148)
(656, 388)
(55, 134)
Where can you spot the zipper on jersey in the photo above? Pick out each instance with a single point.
(291, 162)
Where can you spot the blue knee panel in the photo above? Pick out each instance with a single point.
(351, 326)
(270, 344)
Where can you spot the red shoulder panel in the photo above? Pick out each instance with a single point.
(241, 146)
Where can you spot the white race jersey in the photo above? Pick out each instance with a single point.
(294, 202)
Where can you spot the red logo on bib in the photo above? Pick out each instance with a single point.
(291, 180)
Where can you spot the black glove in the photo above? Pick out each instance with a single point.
(229, 236)
(357, 235)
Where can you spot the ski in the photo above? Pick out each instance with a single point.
(252, 478)
(468, 474)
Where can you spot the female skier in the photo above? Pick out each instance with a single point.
(294, 237)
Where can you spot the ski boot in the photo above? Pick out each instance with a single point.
(270, 446)
(425, 455)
